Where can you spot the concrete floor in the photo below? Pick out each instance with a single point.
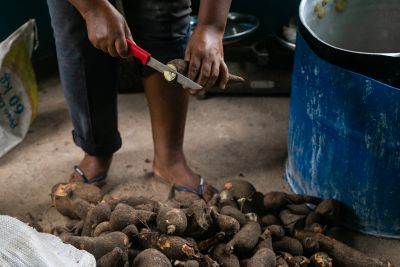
(226, 137)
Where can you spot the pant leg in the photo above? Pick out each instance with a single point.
(161, 27)
(88, 76)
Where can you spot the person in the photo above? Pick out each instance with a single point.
(90, 37)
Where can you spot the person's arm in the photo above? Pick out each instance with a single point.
(106, 27)
(205, 50)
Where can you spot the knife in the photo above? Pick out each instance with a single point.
(146, 59)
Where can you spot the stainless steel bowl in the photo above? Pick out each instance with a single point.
(238, 26)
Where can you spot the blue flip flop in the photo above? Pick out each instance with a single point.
(97, 179)
(198, 191)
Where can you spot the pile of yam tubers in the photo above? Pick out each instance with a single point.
(238, 227)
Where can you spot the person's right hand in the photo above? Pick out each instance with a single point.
(107, 29)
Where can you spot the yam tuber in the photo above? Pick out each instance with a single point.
(225, 223)
(276, 201)
(89, 192)
(151, 257)
(99, 213)
(65, 191)
(245, 240)
(300, 209)
(312, 218)
(290, 245)
(129, 200)
(207, 261)
(310, 246)
(285, 255)
(174, 247)
(132, 253)
(234, 213)
(243, 262)
(321, 259)
(224, 259)
(298, 261)
(131, 232)
(101, 228)
(171, 221)
(239, 189)
(189, 263)
(215, 200)
(67, 201)
(270, 219)
(101, 245)
(199, 218)
(264, 257)
(251, 217)
(291, 221)
(181, 66)
(342, 255)
(281, 262)
(331, 211)
(152, 206)
(112, 258)
(58, 230)
(124, 215)
(206, 244)
(266, 241)
(75, 227)
(226, 199)
(277, 232)
(253, 205)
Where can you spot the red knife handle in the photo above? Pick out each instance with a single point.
(138, 52)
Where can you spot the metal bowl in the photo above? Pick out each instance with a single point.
(238, 26)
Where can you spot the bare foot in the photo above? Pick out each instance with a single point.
(180, 174)
(92, 166)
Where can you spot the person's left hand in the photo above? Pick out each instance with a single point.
(205, 53)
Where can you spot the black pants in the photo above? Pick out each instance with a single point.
(89, 75)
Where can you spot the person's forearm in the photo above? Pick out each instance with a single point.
(214, 13)
(83, 6)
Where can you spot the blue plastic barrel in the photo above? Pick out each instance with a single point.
(344, 126)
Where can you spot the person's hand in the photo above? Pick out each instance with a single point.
(206, 56)
(107, 29)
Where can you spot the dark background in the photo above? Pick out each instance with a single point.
(272, 14)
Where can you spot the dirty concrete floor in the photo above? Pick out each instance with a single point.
(226, 137)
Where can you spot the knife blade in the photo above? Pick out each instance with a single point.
(146, 59)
